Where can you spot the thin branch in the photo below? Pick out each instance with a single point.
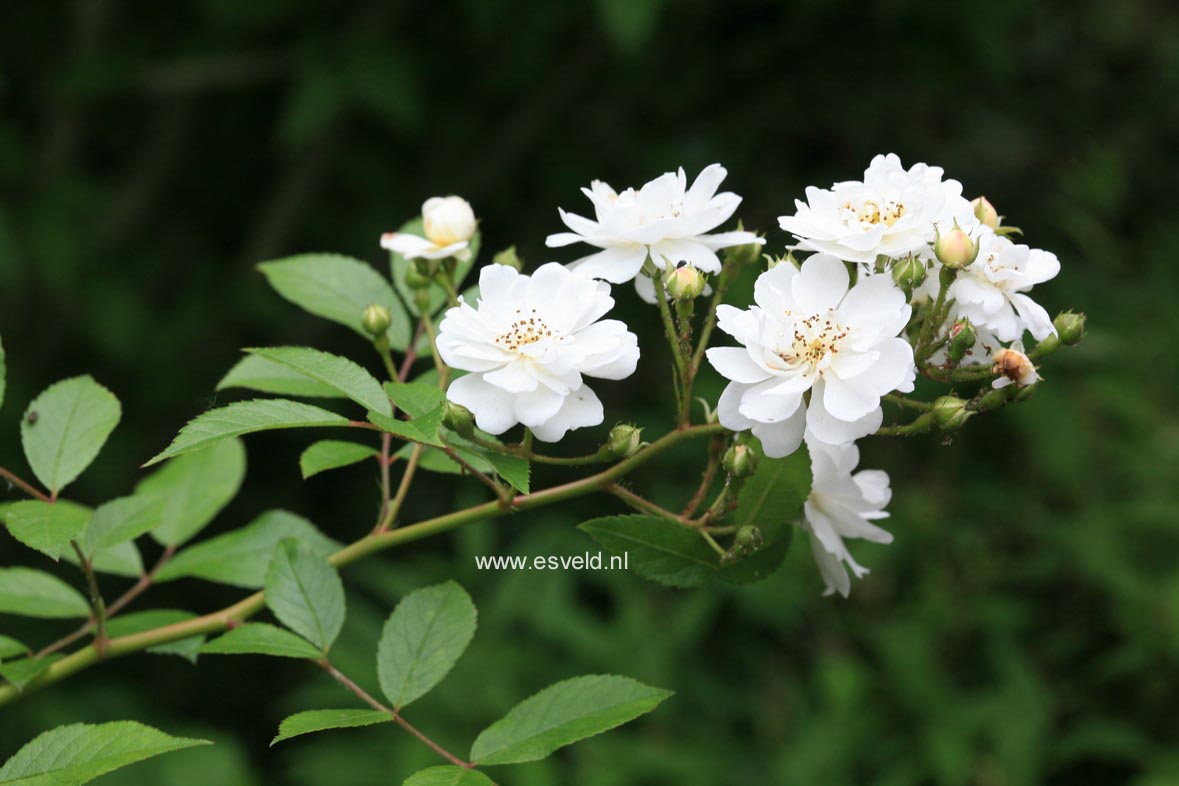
(24, 486)
(641, 503)
(96, 604)
(500, 492)
(715, 448)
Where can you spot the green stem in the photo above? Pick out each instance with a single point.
(24, 486)
(223, 619)
(97, 607)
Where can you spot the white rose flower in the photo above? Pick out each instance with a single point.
(843, 505)
(448, 223)
(808, 332)
(664, 220)
(892, 212)
(528, 342)
(989, 291)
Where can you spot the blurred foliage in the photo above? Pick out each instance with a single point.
(1024, 626)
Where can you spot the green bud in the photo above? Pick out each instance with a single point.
(421, 300)
(508, 258)
(950, 412)
(955, 249)
(909, 273)
(740, 461)
(747, 540)
(962, 338)
(458, 419)
(624, 441)
(375, 319)
(1070, 327)
(417, 276)
(985, 212)
(741, 256)
(683, 282)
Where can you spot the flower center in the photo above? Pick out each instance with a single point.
(527, 329)
(816, 339)
(872, 212)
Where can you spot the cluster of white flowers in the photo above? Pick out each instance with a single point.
(818, 350)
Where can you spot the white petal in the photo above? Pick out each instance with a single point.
(536, 408)
(782, 438)
(513, 377)
(580, 408)
(615, 264)
(734, 363)
(820, 285)
(728, 408)
(491, 406)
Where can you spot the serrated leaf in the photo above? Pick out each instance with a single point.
(10, 647)
(422, 640)
(305, 593)
(562, 714)
(121, 520)
(323, 720)
(194, 489)
(516, 470)
(32, 593)
(338, 288)
(424, 429)
(119, 560)
(246, 417)
(399, 265)
(340, 373)
(258, 638)
(240, 558)
(656, 548)
(65, 427)
(79, 753)
(21, 672)
(332, 454)
(45, 526)
(447, 775)
(415, 398)
(266, 376)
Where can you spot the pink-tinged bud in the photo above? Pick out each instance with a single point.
(985, 212)
(962, 338)
(684, 282)
(955, 249)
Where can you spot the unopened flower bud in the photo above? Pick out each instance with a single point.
(747, 254)
(985, 212)
(458, 419)
(422, 300)
(683, 282)
(950, 412)
(508, 258)
(417, 276)
(375, 319)
(747, 540)
(448, 220)
(1070, 327)
(909, 273)
(962, 338)
(624, 441)
(740, 461)
(955, 249)
(1012, 365)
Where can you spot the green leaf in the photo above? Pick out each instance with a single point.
(246, 417)
(266, 376)
(21, 672)
(399, 265)
(422, 640)
(79, 753)
(516, 470)
(194, 489)
(415, 398)
(65, 427)
(258, 638)
(120, 560)
(322, 720)
(770, 500)
(31, 593)
(562, 714)
(240, 558)
(332, 454)
(448, 775)
(10, 647)
(337, 372)
(3, 373)
(305, 593)
(44, 526)
(338, 288)
(121, 520)
(424, 429)
(656, 548)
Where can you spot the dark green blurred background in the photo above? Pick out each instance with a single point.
(1024, 626)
